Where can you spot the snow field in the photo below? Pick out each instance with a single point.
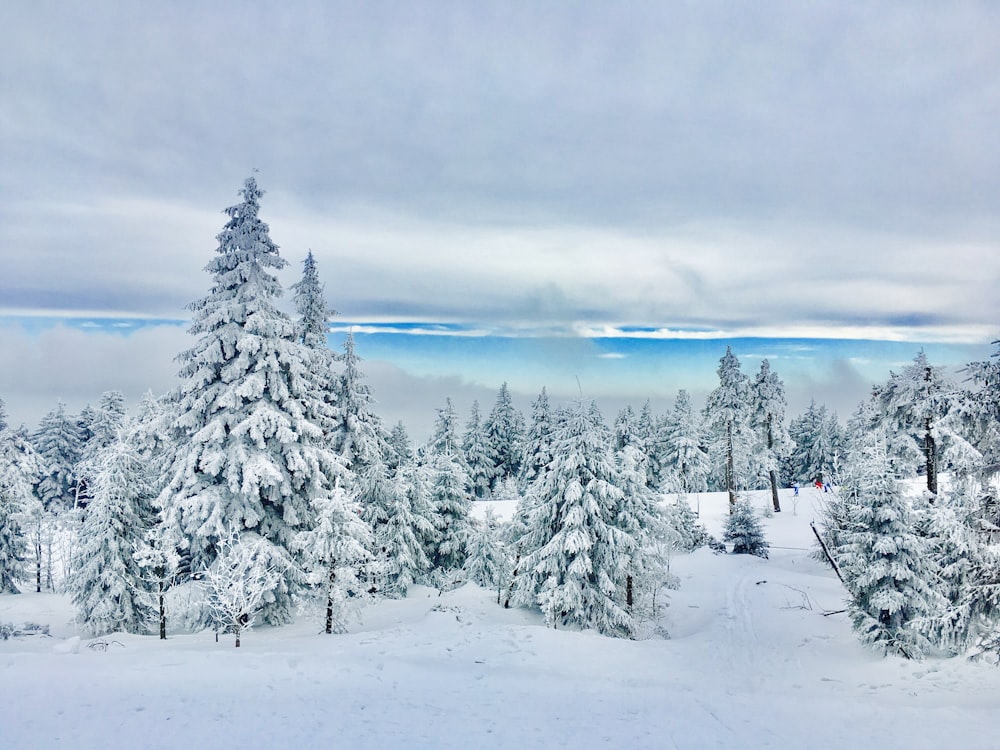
(752, 662)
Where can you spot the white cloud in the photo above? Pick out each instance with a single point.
(77, 366)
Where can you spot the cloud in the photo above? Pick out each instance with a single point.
(77, 366)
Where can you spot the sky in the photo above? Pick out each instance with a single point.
(537, 193)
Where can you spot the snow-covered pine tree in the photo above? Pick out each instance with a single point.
(576, 560)
(108, 585)
(745, 531)
(505, 438)
(310, 304)
(406, 534)
(19, 470)
(478, 463)
(251, 455)
(685, 461)
(921, 404)
(335, 550)
(647, 440)
(639, 515)
(817, 443)
(625, 428)
(538, 441)
(101, 429)
(444, 438)
(375, 492)
(487, 563)
(769, 421)
(360, 437)
(983, 408)
(885, 564)
(59, 444)
(400, 451)
(452, 505)
(728, 413)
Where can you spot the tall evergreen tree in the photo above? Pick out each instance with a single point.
(310, 304)
(922, 404)
(452, 505)
(360, 438)
(108, 587)
(505, 438)
(817, 444)
(335, 549)
(769, 420)
(252, 454)
(884, 562)
(477, 458)
(685, 461)
(577, 560)
(407, 534)
(59, 445)
(444, 439)
(400, 451)
(19, 469)
(538, 441)
(728, 414)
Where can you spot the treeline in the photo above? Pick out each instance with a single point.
(266, 479)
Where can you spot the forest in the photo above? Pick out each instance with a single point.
(266, 482)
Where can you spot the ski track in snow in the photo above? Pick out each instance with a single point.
(752, 663)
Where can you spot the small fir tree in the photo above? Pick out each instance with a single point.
(745, 531)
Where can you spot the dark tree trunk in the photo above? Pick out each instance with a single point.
(163, 610)
(930, 455)
(38, 567)
(730, 468)
(628, 592)
(329, 600)
(773, 474)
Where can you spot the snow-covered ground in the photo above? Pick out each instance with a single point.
(753, 662)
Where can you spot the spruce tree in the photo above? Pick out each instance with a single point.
(684, 459)
(253, 453)
(769, 420)
(921, 404)
(745, 531)
(310, 304)
(576, 560)
(886, 566)
(19, 469)
(505, 438)
(538, 441)
(452, 505)
(817, 442)
(406, 534)
(477, 458)
(360, 437)
(400, 451)
(444, 439)
(59, 444)
(487, 563)
(334, 550)
(108, 587)
(728, 413)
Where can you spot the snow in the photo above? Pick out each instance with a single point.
(752, 662)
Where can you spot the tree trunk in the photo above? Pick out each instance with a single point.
(730, 468)
(930, 455)
(628, 592)
(773, 474)
(163, 611)
(38, 567)
(329, 600)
